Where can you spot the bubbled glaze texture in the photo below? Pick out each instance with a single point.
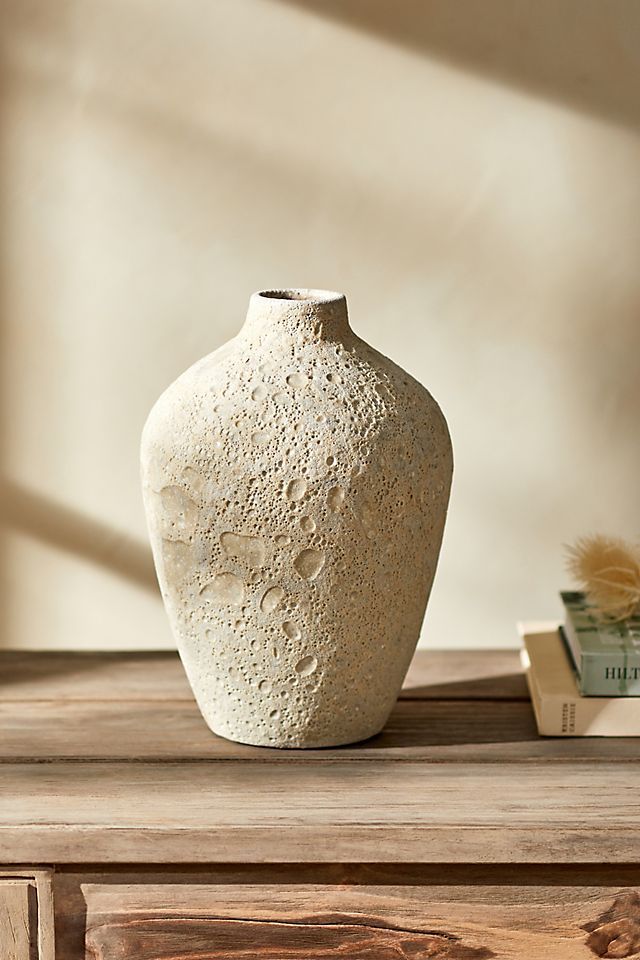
(296, 485)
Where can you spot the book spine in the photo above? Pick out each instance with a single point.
(614, 675)
(572, 645)
(619, 717)
(558, 718)
(568, 717)
(555, 716)
(606, 657)
(584, 717)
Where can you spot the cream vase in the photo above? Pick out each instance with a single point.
(296, 485)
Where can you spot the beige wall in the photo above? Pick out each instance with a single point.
(468, 173)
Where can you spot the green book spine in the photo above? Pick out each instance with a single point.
(606, 656)
(615, 677)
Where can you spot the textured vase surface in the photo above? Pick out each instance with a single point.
(296, 485)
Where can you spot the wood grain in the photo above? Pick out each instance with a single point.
(340, 811)
(34, 911)
(434, 839)
(141, 779)
(159, 676)
(104, 917)
(18, 930)
(46, 938)
(458, 706)
(503, 731)
(64, 676)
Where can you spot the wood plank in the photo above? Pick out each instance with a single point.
(329, 812)
(430, 730)
(18, 929)
(465, 675)
(154, 918)
(47, 675)
(46, 937)
(39, 894)
(58, 675)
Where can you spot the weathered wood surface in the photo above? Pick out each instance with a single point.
(456, 706)
(502, 731)
(158, 676)
(26, 914)
(139, 707)
(376, 918)
(18, 929)
(135, 775)
(342, 811)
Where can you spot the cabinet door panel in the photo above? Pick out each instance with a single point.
(26, 914)
(229, 915)
(18, 923)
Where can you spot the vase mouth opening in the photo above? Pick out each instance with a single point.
(311, 296)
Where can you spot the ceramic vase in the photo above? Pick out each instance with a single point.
(296, 484)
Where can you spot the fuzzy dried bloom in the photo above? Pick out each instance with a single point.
(608, 569)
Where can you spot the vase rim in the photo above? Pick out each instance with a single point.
(301, 294)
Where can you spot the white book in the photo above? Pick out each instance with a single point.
(559, 708)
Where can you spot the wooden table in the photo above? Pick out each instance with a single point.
(457, 833)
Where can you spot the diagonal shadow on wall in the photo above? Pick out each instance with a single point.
(74, 532)
(583, 53)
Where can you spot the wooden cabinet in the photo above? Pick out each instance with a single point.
(373, 913)
(26, 915)
(457, 833)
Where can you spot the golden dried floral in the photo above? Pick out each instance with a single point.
(608, 570)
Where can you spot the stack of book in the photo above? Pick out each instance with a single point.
(584, 676)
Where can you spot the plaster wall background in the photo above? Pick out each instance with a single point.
(468, 174)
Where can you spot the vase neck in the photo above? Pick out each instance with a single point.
(307, 314)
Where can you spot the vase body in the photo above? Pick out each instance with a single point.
(296, 485)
